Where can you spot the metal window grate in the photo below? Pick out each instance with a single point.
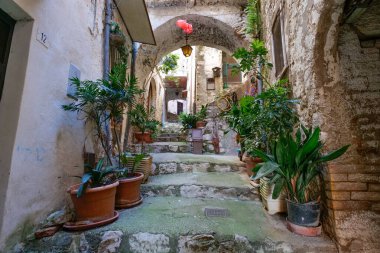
(216, 212)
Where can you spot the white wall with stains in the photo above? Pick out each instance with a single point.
(41, 145)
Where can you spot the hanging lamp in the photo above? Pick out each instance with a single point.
(187, 49)
(187, 29)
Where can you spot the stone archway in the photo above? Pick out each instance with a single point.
(349, 111)
(208, 31)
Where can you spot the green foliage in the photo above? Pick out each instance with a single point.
(95, 177)
(253, 20)
(188, 121)
(123, 51)
(260, 120)
(103, 100)
(115, 29)
(143, 119)
(202, 114)
(240, 113)
(250, 58)
(126, 159)
(296, 165)
(169, 63)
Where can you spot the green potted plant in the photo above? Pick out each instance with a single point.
(128, 191)
(98, 103)
(201, 116)
(188, 121)
(144, 120)
(297, 166)
(94, 197)
(117, 36)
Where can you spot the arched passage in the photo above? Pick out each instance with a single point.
(208, 31)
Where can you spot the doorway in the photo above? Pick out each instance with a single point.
(6, 30)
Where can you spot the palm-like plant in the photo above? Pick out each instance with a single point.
(296, 165)
(95, 177)
(103, 100)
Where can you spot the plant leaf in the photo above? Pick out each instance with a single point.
(334, 154)
(266, 169)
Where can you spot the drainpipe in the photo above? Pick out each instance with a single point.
(107, 31)
(134, 55)
(133, 72)
(106, 66)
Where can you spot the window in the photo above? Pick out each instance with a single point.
(228, 76)
(278, 45)
(6, 31)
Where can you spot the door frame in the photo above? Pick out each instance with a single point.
(4, 17)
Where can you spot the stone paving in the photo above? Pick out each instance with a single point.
(172, 216)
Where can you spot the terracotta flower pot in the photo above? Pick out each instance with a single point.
(144, 167)
(128, 192)
(96, 204)
(200, 124)
(250, 163)
(147, 137)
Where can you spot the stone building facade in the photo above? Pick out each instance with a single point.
(332, 59)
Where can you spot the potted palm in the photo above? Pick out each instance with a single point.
(98, 103)
(297, 166)
(128, 191)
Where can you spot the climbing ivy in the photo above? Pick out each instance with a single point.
(253, 20)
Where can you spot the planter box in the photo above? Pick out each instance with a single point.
(272, 205)
(144, 167)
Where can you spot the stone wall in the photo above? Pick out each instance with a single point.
(337, 79)
(206, 59)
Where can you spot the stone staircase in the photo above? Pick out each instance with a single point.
(192, 203)
(170, 140)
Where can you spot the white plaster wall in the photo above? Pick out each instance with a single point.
(48, 142)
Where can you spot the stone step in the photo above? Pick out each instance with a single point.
(165, 147)
(168, 163)
(171, 224)
(218, 185)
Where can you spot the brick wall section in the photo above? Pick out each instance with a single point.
(359, 178)
(337, 79)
